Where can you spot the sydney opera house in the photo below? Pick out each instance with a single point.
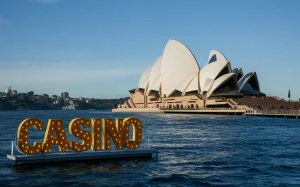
(176, 81)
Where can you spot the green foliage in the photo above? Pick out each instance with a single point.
(29, 101)
(100, 104)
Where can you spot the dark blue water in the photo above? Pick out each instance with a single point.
(195, 150)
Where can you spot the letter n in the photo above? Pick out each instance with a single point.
(110, 131)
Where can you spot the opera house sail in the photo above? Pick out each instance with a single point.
(176, 81)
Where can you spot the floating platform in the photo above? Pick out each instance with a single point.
(88, 155)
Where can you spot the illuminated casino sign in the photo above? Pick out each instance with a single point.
(103, 131)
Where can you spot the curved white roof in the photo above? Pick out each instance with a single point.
(185, 83)
(144, 80)
(154, 79)
(194, 85)
(209, 73)
(219, 82)
(207, 84)
(178, 65)
(246, 78)
(215, 55)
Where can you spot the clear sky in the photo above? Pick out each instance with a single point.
(98, 48)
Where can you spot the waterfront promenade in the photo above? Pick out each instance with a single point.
(276, 113)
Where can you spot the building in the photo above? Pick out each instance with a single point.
(8, 92)
(176, 81)
(69, 106)
(58, 101)
(64, 95)
(54, 98)
(15, 92)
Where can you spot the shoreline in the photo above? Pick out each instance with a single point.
(214, 111)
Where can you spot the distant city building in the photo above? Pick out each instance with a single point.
(8, 92)
(58, 101)
(69, 106)
(64, 95)
(54, 98)
(15, 92)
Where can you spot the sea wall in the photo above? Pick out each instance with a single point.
(134, 110)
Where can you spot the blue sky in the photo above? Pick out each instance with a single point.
(99, 48)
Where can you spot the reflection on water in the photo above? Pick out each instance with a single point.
(195, 150)
(81, 167)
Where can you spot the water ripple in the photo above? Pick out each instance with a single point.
(195, 150)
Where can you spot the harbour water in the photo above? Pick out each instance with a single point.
(195, 150)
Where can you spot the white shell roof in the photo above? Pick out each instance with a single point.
(178, 64)
(194, 85)
(209, 73)
(218, 56)
(144, 80)
(177, 69)
(154, 79)
(185, 83)
(245, 80)
(207, 84)
(219, 82)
